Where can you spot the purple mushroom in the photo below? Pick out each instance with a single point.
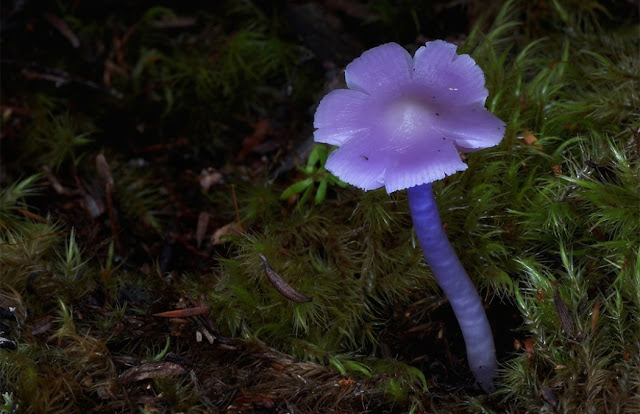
(401, 125)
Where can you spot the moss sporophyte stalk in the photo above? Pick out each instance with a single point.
(401, 125)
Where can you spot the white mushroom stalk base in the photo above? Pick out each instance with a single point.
(464, 299)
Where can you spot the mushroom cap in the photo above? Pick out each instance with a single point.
(404, 120)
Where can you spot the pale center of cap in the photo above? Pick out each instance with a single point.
(405, 118)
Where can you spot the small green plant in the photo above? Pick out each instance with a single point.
(8, 405)
(12, 200)
(315, 174)
(142, 198)
(57, 139)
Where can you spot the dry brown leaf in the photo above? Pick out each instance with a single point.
(151, 370)
(209, 177)
(63, 28)
(230, 229)
(177, 313)
(529, 138)
(566, 321)
(104, 172)
(201, 229)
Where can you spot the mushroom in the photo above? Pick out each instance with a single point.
(401, 124)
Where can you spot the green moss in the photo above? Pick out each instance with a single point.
(55, 139)
(141, 196)
(348, 259)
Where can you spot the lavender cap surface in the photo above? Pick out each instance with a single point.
(404, 119)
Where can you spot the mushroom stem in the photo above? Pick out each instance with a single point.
(464, 299)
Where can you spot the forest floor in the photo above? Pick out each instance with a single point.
(151, 152)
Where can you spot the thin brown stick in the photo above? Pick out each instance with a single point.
(235, 204)
(32, 216)
(105, 173)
